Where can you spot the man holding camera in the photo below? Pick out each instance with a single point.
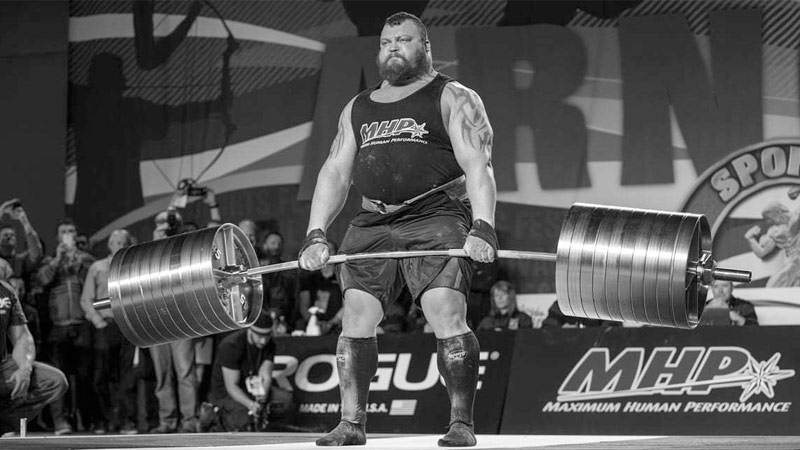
(24, 263)
(241, 378)
(70, 339)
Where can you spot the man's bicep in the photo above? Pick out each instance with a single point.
(470, 131)
(343, 149)
(17, 333)
(230, 376)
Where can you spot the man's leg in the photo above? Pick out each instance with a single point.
(458, 354)
(47, 385)
(183, 359)
(165, 392)
(58, 340)
(356, 361)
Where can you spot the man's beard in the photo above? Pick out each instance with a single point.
(402, 74)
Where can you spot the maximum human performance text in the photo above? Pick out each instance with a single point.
(667, 407)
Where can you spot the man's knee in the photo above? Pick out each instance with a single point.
(362, 314)
(446, 311)
(49, 381)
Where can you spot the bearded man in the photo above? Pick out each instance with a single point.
(417, 147)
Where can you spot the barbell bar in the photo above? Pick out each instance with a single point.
(621, 264)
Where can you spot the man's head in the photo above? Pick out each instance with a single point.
(8, 240)
(261, 331)
(504, 297)
(19, 285)
(723, 290)
(67, 232)
(6, 272)
(273, 244)
(250, 230)
(118, 240)
(405, 52)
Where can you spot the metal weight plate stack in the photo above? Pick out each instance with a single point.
(631, 265)
(171, 289)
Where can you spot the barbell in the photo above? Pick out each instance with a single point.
(621, 264)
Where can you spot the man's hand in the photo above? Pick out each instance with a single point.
(99, 323)
(21, 378)
(737, 318)
(314, 252)
(210, 199)
(481, 244)
(254, 407)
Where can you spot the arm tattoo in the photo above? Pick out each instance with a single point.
(338, 142)
(474, 130)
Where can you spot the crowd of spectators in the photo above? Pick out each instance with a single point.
(217, 383)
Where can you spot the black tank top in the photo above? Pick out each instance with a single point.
(403, 147)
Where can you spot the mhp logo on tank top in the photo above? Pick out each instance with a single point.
(678, 378)
(391, 131)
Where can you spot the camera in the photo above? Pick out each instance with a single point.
(188, 187)
(173, 222)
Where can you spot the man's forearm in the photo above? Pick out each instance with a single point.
(239, 396)
(482, 193)
(34, 246)
(329, 198)
(24, 352)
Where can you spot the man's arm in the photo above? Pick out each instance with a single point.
(231, 378)
(471, 135)
(330, 193)
(333, 181)
(265, 373)
(89, 295)
(34, 246)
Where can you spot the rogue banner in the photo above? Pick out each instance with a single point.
(720, 381)
(406, 395)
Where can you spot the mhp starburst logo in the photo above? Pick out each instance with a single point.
(391, 128)
(693, 371)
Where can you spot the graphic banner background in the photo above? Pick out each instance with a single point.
(544, 359)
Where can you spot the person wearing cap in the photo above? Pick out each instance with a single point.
(242, 374)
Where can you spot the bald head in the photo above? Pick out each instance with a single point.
(118, 240)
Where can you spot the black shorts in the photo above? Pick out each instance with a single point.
(436, 223)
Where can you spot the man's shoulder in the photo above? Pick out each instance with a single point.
(454, 89)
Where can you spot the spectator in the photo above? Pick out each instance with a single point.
(250, 230)
(504, 314)
(31, 313)
(556, 318)
(320, 288)
(741, 312)
(174, 361)
(241, 379)
(112, 353)
(26, 386)
(69, 340)
(279, 287)
(25, 263)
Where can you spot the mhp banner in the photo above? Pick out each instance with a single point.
(713, 380)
